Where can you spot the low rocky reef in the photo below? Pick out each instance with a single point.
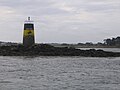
(48, 50)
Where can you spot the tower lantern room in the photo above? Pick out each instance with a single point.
(28, 34)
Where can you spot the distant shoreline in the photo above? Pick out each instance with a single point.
(78, 46)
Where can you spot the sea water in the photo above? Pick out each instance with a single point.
(59, 73)
(105, 49)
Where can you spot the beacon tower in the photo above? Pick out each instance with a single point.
(28, 34)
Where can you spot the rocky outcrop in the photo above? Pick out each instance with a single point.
(48, 50)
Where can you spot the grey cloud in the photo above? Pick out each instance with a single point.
(95, 5)
(47, 6)
(63, 20)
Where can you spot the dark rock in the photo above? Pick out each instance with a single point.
(48, 50)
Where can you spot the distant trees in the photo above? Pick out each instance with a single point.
(109, 42)
(112, 42)
(89, 44)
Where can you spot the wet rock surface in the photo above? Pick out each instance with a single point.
(48, 50)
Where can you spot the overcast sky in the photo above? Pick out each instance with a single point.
(61, 21)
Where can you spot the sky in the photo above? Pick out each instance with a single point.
(61, 21)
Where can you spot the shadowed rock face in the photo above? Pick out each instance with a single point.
(48, 50)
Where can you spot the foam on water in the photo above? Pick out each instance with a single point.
(59, 73)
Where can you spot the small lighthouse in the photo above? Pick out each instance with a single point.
(28, 34)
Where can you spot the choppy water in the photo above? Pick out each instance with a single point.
(59, 73)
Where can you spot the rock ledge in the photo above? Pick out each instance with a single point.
(48, 50)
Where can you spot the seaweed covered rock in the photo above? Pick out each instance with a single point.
(48, 50)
